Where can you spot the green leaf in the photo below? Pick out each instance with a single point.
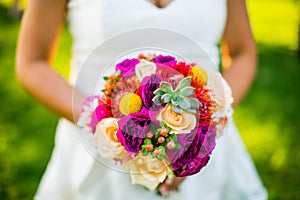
(162, 149)
(157, 100)
(168, 128)
(163, 124)
(147, 141)
(118, 72)
(157, 134)
(144, 152)
(184, 83)
(159, 157)
(158, 92)
(184, 104)
(153, 156)
(106, 78)
(170, 174)
(177, 147)
(193, 111)
(166, 98)
(174, 102)
(195, 103)
(187, 91)
(173, 136)
(177, 110)
(166, 87)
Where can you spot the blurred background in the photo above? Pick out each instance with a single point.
(268, 117)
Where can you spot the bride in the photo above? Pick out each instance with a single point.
(72, 173)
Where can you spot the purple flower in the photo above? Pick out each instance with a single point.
(132, 130)
(192, 165)
(165, 60)
(127, 67)
(148, 85)
(195, 152)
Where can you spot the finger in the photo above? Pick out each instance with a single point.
(163, 190)
(169, 181)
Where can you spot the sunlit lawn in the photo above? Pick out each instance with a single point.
(268, 118)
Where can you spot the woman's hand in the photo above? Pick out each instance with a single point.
(170, 184)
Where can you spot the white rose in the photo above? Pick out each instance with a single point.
(221, 94)
(147, 171)
(106, 140)
(144, 68)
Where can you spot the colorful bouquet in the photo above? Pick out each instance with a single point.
(158, 117)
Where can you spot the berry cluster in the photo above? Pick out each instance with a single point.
(157, 141)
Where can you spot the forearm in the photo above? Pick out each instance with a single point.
(50, 89)
(239, 40)
(240, 74)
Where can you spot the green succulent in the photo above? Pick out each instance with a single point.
(179, 98)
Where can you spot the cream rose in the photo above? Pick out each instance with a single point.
(183, 123)
(106, 139)
(144, 68)
(221, 94)
(147, 171)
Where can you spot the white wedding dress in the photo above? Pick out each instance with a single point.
(72, 172)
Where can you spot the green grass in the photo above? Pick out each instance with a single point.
(268, 117)
(269, 122)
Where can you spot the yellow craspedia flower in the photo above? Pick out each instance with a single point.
(199, 76)
(130, 103)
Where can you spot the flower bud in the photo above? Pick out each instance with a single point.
(161, 139)
(156, 152)
(171, 145)
(149, 147)
(149, 135)
(163, 131)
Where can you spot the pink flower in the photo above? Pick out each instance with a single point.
(127, 67)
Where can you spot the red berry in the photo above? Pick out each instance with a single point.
(163, 131)
(171, 145)
(149, 135)
(156, 152)
(149, 147)
(161, 139)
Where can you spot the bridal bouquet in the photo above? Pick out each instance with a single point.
(158, 117)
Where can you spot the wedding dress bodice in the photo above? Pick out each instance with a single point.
(94, 21)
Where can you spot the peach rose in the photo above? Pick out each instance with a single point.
(147, 171)
(106, 139)
(144, 68)
(221, 94)
(183, 123)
